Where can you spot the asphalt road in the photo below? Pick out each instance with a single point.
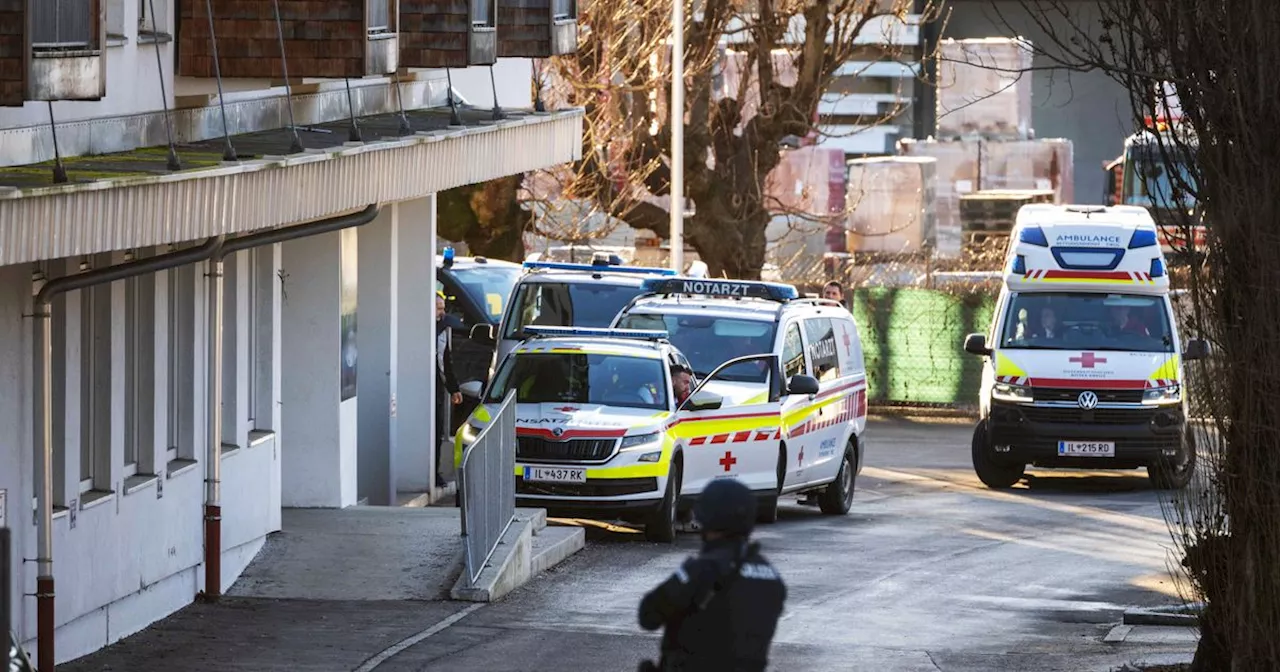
(930, 571)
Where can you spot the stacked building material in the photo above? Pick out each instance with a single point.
(891, 203)
(991, 212)
(957, 169)
(1030, 164)
(984, 88)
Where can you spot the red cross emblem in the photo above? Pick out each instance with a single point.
(1086, 360)
(844, 335)
(728, 460)
(801, 455)
(566, 409)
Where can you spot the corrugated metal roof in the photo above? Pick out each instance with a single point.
(141, 205)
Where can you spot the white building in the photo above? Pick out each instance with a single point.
(119, 535)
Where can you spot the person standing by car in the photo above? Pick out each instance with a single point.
(448, 394)
(721, 608)
(834, 291)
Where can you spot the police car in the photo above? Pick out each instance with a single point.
(557, 294)
(1083, 363)
(599, 431)
(797, 371)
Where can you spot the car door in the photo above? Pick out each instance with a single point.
(795, 362)
(829, 420)
(731, 441)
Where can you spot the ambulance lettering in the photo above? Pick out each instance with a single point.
(1086, 239)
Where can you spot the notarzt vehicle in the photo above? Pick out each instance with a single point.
(817, 451)
(1083, 364)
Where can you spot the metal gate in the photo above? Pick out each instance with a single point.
(487, 488)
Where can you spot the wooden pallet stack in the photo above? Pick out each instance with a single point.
(990, 213)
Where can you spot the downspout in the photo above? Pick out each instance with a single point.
(213, 454)
(45, 622)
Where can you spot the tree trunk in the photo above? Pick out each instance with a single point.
(486, 216)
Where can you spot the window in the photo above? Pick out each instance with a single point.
(61, 354)
(154, 22)
(482, 13)
(63, 24)
(709, 342)
(181, 366)
(1087, 321)
(262, 284)
(793, 363)
(95, 388)
(233, 319)
(379, 16)
(590, 303)
(564, 9)
(139, 401)
(823, 354)
(611, 380)
(488, 287)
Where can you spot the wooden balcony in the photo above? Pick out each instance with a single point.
(448, 33)
(537, 28)
(322, 38)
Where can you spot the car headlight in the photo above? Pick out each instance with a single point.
(1162, 395)
(1008, 392)
(640, 440)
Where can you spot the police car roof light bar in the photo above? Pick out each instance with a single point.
(598, 332)
(769, 291)
(595, 268)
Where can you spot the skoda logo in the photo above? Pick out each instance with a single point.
(1087, 400)
(559, 431)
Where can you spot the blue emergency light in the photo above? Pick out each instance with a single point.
(448, 256)
(1033, 235)
(600, 332)
(771, 291)
(1142, 238)
(596, 267)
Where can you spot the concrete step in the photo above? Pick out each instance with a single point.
(537, 518)
(554, 544)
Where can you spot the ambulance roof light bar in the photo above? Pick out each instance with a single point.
(597, 332)
(769, 291)
(611, 264)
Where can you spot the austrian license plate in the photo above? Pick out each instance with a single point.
(1086, 449)
(555, 475)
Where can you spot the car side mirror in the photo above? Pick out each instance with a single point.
(976, 344)
(471, 388)
(483, 333)
(801, 384)
(704, 401)
(1197, 348)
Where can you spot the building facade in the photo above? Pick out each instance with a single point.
(216, 288)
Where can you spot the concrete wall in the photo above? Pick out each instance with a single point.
(128, 546)
(1088, 108)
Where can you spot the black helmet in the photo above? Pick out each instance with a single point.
(726, 506)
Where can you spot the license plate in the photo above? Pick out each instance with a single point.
(1087, 448)
(555, 475)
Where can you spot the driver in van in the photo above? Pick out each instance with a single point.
(1048, 325)
(1122, 322)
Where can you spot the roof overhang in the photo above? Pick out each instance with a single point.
(67, 220)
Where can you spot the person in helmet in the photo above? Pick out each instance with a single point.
(721, 608)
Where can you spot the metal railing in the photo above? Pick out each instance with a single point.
(63, 24)
(487, 488)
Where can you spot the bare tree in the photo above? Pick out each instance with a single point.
(1217, 58)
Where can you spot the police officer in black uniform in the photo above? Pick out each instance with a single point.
(720, 608)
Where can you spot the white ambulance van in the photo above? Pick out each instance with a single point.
(1083, 366)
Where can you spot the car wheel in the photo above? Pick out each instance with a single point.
(993, 474)
(1175, 473)
(661, 524)
(837, 498)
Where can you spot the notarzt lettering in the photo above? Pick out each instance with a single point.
(823, 349)
(716, 288)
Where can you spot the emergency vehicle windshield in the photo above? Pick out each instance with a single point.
(1087, 321)
(709, 342)
(1155, 181)
(608, 380)
(489, 286)
(558, 304)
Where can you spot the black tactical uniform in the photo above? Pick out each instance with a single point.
(720, 608)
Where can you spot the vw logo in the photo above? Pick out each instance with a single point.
(1087, 400)
(559, 431)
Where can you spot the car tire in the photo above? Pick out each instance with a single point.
(767, 507)
(992, 473)
(837, 498)
(660, 526)
(1170, 475)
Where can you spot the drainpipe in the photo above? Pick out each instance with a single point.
(213, 454)
(45, 623)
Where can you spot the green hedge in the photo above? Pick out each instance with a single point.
(913, 339)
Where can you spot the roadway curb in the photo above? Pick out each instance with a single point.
(1180, 615)
(519, 557)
